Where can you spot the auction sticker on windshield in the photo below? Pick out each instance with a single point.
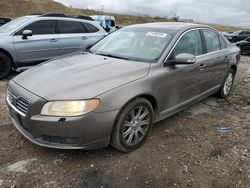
(156, 34)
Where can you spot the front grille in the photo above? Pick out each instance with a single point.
(16, 117)
(18, 102)
(60, 140)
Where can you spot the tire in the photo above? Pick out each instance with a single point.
(227, 84)
(5, 65)
(234, 40)
(127, 128)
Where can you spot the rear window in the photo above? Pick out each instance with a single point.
(67, 27)
(90, 28)
(2, 21)
(112, 23)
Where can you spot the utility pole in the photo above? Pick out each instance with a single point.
(102, 9)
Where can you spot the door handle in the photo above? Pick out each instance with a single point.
(202, 66)
(84, 38)
(53, 40)
(226, 59)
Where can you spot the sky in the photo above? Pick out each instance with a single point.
(227, 12)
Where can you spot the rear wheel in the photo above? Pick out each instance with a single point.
(133, 125)
(5, 65)
(226, 87)
(234, 40)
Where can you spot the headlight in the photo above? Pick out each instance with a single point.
(69, 108)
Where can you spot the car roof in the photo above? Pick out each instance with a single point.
(170, 25)
(63, 17)
(39, 17)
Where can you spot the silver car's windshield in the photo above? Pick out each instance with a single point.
(138, 44)
(12, 25)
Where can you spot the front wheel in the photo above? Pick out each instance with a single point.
(5, 65)
(133, 125)
(227, 85)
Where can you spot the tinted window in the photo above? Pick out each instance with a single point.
(223, 44)
(247, 32)
(90, 28)
(212, 41)
(241, 33)
(70, 27)
(41, 27)
(112, 23)
(190, 43)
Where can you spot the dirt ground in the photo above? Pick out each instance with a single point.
(186, 150)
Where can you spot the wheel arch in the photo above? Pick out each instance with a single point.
(9, 55)
(152, 100)
(234, 68)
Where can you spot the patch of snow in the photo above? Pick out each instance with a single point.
(20, 166)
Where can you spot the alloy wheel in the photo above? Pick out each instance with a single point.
(136, 125)
(228, 84)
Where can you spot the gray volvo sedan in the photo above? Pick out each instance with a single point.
(126, 82)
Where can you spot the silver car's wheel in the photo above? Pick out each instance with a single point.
(136, 125)
(228, 83)
(133, 125)
(5, 65)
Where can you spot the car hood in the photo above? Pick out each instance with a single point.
(241, 42)
(80, 76)
(233, 34)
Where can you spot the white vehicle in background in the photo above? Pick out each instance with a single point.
(107, 22)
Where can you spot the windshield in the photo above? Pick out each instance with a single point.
(138, 44)
(12, 25)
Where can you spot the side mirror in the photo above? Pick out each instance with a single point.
(26, 34)
(183, 59)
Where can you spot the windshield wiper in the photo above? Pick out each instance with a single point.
(111, 55)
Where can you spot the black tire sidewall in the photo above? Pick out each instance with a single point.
(8, 63)
(122, 117)
(234, 40)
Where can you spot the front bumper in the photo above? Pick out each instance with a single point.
(90, 131)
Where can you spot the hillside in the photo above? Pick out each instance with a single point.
(16, 8)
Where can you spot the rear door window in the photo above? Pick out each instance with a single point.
(43, 27)
(223, 44)
(189, 43)
(90, 28)
(212, 41)
(70, 27)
